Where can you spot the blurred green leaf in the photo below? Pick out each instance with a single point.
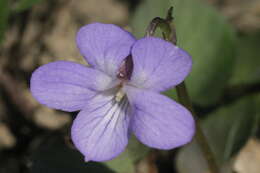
(25, 4)
(4, 14)
(125, 163)
(257, 101)
(205, 35)
(247, 66)
(227, 130)
(55, 157)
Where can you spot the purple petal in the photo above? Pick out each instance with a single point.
(158, 121)
(158, 64)
(66, 85)
(100, 131)
(104, 46)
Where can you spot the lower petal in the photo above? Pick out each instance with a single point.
(100, 131)
(158, 121)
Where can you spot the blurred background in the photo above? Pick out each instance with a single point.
(223, 36)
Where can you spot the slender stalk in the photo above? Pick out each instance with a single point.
(169, 34)
(200, 137)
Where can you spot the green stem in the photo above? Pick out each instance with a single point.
(169, 34)
(200, 137)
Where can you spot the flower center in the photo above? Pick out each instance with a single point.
(125, 70)
(119, 95)
(124, 74)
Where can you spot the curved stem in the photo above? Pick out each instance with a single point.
(169, 34)
(200, 137)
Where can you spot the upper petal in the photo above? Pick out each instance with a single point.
(104, 46)
(158, 64)
(66, 85)
(158, 121)
(100, 131)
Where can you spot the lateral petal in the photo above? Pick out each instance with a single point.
(67, 85)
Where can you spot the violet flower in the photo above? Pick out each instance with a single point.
(119, 94)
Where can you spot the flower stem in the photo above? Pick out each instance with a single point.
(169, 34)
(200, 137)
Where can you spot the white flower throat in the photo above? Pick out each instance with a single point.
(119, 95)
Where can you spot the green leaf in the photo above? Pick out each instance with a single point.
(257, 101)
(247, 71)
(247, 60)
(25, 4)
(227, 131)
(205, 35)
(125, 163)
(4, 14)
